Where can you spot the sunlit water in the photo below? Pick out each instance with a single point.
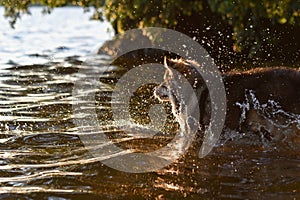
(40, 38)
(42, 156)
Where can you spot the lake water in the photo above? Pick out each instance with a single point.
(40, 38)
(42, 156)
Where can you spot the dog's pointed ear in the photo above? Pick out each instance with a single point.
(169, 62)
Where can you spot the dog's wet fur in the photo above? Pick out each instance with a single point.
(279, 84)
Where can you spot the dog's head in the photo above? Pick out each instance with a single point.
(176, 70)
(171, 88)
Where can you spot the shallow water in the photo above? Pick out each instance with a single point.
(42, 156)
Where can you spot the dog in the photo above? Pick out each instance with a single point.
(265, 100)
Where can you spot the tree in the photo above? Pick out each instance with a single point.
(229, 29)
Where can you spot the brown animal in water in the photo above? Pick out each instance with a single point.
(265, 100)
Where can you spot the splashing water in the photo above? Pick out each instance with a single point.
(180, 94)
(269, 120)
(271, 110)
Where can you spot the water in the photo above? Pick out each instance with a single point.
(42, 156)
(39, 38)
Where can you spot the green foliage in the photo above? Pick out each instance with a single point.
(249, 19)
(126, 14)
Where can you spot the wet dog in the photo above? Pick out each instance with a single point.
(261, 99)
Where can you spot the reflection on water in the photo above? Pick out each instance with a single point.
(42, 155)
